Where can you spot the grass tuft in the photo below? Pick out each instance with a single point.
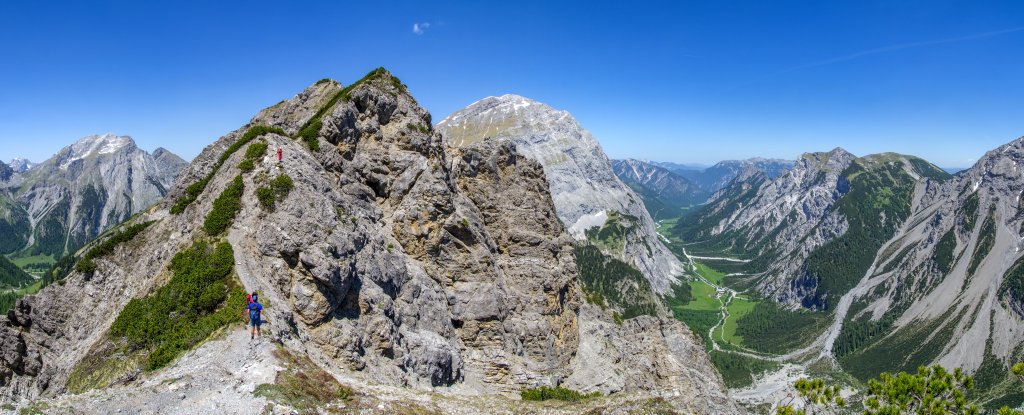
(302, 385)
(546, 393)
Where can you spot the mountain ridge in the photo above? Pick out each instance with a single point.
(392, 258)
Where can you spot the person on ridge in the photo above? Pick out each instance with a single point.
(255, 311)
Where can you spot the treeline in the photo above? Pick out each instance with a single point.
(11, 276)
(861, 332)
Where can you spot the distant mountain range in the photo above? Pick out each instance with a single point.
(717, 176)
(21, 165)
(664, 192)
(53, 208)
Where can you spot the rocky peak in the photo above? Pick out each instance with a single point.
(86, 188)
(96, 144)
(21, 165)
(584, 186)
(5, 172)
(834, 161)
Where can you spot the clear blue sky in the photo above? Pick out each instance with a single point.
(672, 81)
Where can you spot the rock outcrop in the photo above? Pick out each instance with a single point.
(394, 259)
(583, 185)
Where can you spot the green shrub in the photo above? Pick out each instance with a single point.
(279, 188)
(87, 265)
(246, 165)
(256, 150)
(225, 207)
(266, 197)
(199, 299)
(282, 185)
(546, 393)
(417, 127)
(195, 189)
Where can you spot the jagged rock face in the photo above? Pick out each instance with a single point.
(658, 186)
(20, 165)
(583, 185)
(950, 279)
(83, 190)
(395, 258)
(714, 178)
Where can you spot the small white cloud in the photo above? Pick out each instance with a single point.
(419, 28)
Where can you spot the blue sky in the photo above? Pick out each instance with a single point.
(690, 82)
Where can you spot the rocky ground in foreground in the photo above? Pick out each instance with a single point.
(223, 376)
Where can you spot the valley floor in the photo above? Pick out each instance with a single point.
(759, 377)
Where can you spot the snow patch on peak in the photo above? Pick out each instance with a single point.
(95, 144)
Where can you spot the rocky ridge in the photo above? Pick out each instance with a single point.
(395, 260)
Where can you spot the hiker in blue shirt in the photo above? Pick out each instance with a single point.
(255, 310)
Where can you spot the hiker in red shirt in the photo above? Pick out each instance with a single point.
(279, 155)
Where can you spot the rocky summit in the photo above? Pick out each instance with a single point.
(383, 256)
(584, 186)
(20, 165)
